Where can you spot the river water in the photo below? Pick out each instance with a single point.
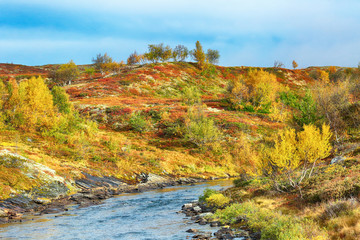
(140, 216)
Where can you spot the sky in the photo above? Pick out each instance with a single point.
(246, 33)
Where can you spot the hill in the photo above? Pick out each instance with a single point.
(170, 120)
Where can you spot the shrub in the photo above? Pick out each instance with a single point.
(201, 130)
(273, 225)
(31, 105)
(207, 193)
(217, 200)
(298, 151)
(191, 95)
(306, 110)
(337, 208)
(139, 123)
(257, 91)
(61, 99)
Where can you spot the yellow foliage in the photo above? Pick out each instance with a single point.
(264, 85)
(36, 108)
(278, 112)
(324, 76)
(217, 200)
(292, 151)
(239, 92)
(313, 144)
(245, 155)
(258, 88)
(284, 155)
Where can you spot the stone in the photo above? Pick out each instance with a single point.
(187, 206)
(206, 215)
(197, 209)
(42, 200)
(214, 224)
(192, 230)
(337, 159)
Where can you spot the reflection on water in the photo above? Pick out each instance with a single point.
(138, 216)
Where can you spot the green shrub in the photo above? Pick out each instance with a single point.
(61, 99)
(138, 123)
(273, 225)
(307, 111)
(206, 194)
(191, 95)
(201, 130)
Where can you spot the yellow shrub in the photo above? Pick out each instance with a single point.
(217, 200)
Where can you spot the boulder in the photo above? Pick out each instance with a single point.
(187, 206)
(197, 209)
(337, 159)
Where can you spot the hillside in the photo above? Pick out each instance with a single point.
(167, 119)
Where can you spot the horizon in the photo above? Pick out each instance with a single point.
(257, 33)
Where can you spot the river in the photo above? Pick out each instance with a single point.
(136, 216)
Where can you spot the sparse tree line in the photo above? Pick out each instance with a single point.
(103, 63)
(164, 53)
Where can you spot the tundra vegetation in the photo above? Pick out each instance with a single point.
(274, 128)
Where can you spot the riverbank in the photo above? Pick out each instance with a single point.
(92, 190)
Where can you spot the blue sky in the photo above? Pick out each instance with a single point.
(247, 33)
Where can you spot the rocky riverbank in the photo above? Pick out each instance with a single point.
(91, 190)
(201, 214)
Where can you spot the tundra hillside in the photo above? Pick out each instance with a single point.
(276, 128)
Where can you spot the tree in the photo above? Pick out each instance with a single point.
(154, 53)
(100, 60)
(13, 102)
(180, 53)
(134, 58)
(278, 64)
(36, 109)
(294, 64)
(213, 56)
(66, 74)
(299, 151)
(166, 53)
(199, 55)
(259, 89)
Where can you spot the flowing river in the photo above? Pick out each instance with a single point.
(140, 216)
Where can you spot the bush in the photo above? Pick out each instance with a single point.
(217, 200)
(191, 95)
(139, 123)
(61, 100)
(337, 208)
(305, 107)
(206, 194)
(273, 225)
(201, 130)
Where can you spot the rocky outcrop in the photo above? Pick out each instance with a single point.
(202, 215)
